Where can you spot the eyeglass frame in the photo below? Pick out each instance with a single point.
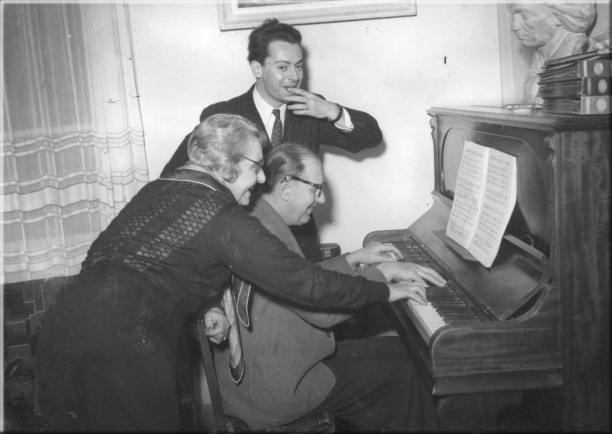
(318, 187)
(260, 165)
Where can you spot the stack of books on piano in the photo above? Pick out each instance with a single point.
(578, 84)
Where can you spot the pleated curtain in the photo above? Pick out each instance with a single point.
(72, 138)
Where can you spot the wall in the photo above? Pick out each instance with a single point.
(393, 68)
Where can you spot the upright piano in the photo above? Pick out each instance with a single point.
(538, 318)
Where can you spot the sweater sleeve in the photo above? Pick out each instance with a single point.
(241, 242)
(329, 318)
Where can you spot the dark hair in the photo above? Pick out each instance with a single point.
(271, 30)
(219, 142)
(285, 159)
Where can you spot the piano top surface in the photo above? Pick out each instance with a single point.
(533, 118)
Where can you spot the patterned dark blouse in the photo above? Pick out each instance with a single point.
(185, 238)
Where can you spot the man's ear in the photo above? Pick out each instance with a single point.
(284, 190)
(256, 69)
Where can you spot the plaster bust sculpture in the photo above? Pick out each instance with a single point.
(553, 30)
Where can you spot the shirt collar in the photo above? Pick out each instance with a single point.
(264, 108)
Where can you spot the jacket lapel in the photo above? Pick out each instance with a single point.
(249, 111)
(273, 222)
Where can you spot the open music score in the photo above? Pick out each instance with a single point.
(485, 195)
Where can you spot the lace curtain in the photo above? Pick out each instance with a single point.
(73, 145)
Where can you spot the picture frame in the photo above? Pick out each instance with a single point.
(246, 14)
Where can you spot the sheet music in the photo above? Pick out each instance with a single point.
(469, 192)
(485, 196)
(497, 206)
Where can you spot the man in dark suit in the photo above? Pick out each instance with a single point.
(277, 105)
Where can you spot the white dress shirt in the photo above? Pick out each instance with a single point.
(265, 112)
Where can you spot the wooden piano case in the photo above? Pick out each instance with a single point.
(550, 336)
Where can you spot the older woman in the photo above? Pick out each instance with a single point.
(106, 349)
(553, 29)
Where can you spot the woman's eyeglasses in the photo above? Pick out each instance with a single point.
(259, 164)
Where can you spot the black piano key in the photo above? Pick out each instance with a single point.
(447, 302)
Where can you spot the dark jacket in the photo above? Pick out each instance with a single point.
(304, 130)
(283, 348)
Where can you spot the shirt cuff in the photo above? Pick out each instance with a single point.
(344, 123)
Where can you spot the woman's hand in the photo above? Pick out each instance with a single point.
(409, 289)
(374, 253)
(401, 271)
(217, 325)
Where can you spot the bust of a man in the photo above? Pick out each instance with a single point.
(553, 30)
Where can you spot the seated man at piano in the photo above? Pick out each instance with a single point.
(293, 366)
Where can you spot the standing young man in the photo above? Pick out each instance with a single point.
(287, 113)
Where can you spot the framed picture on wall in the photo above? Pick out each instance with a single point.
(245, 14)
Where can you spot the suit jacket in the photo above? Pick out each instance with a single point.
(304, 130)
(283, 348)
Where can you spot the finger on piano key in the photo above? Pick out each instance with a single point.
(427, 316)
(431, 275)
(419, 293)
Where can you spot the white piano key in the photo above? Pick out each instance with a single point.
(428, 316)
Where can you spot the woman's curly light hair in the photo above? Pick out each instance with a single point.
(219, 142)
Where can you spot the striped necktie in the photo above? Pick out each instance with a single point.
(277, 129)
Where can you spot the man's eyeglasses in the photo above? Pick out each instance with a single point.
(259, 164)
(318, 187)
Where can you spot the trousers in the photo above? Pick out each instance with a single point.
(377, 388)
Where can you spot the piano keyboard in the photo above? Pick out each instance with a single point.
(431, 319)
(445, 305)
